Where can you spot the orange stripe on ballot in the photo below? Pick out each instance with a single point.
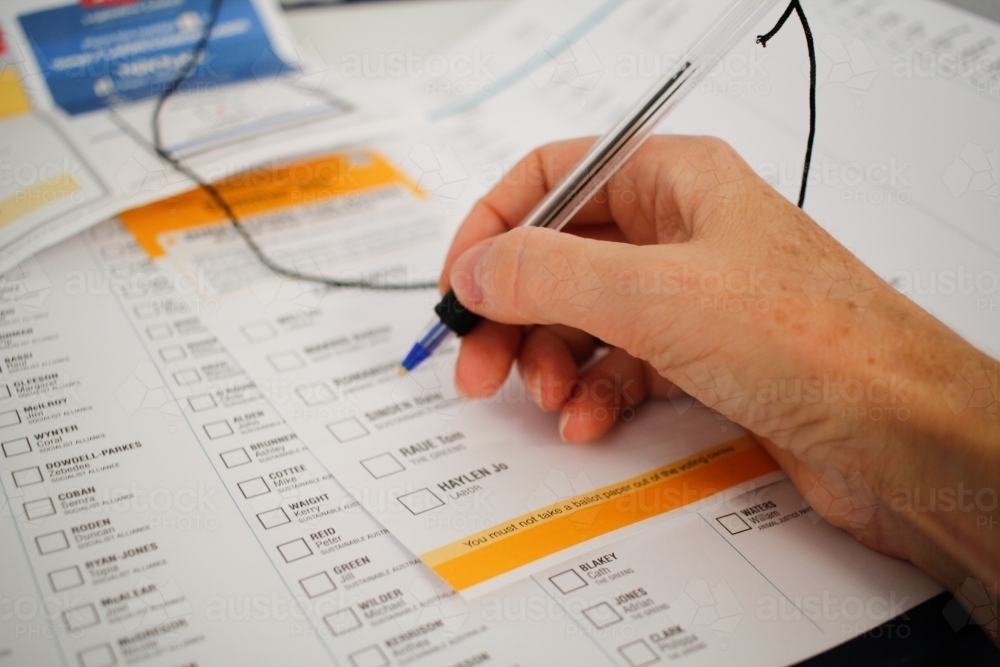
(265, 190)
(564, 524)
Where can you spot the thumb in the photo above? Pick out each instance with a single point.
(539, 276)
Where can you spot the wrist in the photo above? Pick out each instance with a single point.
(943, 477)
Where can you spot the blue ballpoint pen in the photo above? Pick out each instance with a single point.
(604, 158)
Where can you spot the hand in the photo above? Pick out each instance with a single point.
(703, 279)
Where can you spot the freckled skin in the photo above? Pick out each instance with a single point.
(890, 416)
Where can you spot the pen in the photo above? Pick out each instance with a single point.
(604, 158)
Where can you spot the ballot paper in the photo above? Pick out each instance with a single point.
(158, 510)
(78, 86)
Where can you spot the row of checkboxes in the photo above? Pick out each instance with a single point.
(602, 615)
(294, 550)
(343, 621)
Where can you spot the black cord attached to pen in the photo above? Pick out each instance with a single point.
(213, 192)
(796, 6)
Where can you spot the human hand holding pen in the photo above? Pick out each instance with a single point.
(703, 279)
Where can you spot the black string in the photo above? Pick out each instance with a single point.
(196, 55)
(811, 46)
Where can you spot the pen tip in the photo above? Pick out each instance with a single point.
(402, 371)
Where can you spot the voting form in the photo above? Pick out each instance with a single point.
(241, 477)
(160, 511)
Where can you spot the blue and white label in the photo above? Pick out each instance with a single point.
(94, 58)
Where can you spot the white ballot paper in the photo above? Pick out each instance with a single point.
(158, 510)
(161, 510)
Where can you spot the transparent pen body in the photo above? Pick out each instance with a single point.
(618, 145)
(435, 334)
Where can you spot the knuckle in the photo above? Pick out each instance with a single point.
(519, 265)
(715, 144)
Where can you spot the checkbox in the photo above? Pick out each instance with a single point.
(172, 354)
(638, 653)
(219, 429)
(342, 621)
(202, 402)
(235, 457)
(159, 331)
(4, 392)
(733, 523)
(315, 394)
(254, 487)
(294, 550)
(37, 509)
(147, 310)
(97, 656)
(66, 578)
(318, 584)
(273, 518)
(568, 581)
(347, 429)
(382, 465)
(286, 361)
(52, 542)
(184, 378)
(27, 477)
(602, 615)
(259, 331)
(80, 618)
(369, 657)
(16, 447)
(9, 418)
(420, 501)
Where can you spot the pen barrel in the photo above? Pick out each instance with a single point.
(605, 157)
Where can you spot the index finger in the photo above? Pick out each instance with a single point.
(517, 193)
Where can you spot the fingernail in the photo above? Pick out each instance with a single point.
(534, 385)
(563, 421)
(467, 274)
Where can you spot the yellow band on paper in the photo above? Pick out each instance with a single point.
(569, 522)
(265, 190)
(13, 101)
(23, 202)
